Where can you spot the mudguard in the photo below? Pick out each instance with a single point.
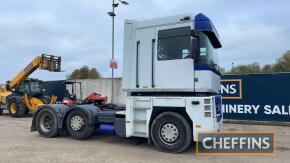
(91, 111)
(59, 109)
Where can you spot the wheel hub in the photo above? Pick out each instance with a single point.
(46, 124)
(169, 133)
(77, 122)
(13, 108)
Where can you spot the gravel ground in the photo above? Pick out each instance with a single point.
(18, 144)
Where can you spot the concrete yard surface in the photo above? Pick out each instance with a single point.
(18, 144)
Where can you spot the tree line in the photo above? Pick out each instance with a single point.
(85, 73)
(282, 64)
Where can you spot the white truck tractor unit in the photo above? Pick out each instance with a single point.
(172, 80)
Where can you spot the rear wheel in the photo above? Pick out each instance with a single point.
(46, 123)
(170, 132)
(1, 111)
(16, 107)
(78, 126)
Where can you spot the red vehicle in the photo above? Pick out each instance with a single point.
(71, 98)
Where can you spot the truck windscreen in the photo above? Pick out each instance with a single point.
(207, 53)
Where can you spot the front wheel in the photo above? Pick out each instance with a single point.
(16, 107)
(170, 132)
(78, 126)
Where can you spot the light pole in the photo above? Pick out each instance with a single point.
(112, 14)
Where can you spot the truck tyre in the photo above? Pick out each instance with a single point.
(16, 107)
(170, 132)
(45, 99)
(77, 124)
(46, 123)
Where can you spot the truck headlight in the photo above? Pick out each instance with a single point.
(207, 108)
(207, 114)
(206, 101)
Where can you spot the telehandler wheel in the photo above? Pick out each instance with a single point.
(16, 107)
(27, 111)
(1, 111)
(46, 123)
(45, 99)
(170, 132)
(77, 124)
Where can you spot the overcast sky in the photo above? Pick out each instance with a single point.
(80, 30)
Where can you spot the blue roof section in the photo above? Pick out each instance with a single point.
(205, 25)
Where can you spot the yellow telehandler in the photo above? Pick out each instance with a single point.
(21, 94)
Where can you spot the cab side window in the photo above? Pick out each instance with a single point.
(174, 44)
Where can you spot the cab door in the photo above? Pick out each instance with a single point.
(173, 63)
(145, 39)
